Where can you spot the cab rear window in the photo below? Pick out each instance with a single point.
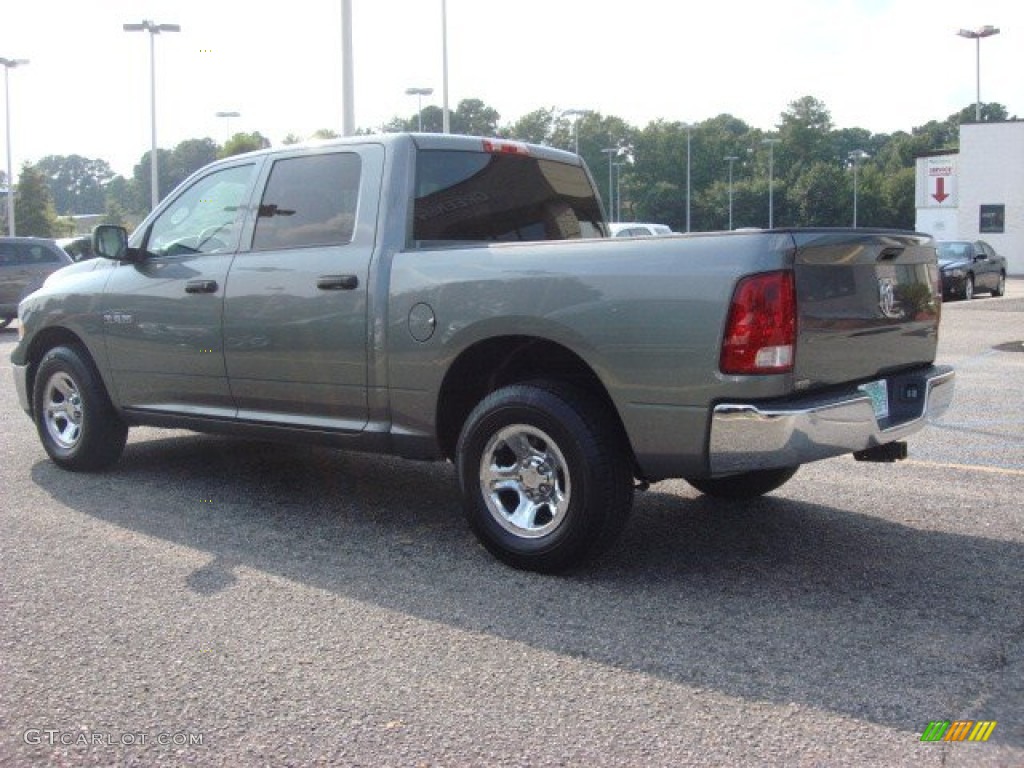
(477, 196)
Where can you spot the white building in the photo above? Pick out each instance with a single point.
(978, 192)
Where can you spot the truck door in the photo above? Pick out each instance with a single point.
(161, 315)
(295, 313)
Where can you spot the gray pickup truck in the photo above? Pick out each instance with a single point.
(446, 297)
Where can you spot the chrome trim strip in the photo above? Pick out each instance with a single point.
(746, 437)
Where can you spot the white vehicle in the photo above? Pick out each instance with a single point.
(639, 229)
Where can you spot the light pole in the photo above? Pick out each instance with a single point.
(8, 65)
(419, 93)
(611, 152)
(730, 159)
(771, 180)
(618, 190)
(976, 34)
(689, 137)
(154, 29)
(446, 119)
(227, 123)
(576, 114)
(348, 88)
(855, 157)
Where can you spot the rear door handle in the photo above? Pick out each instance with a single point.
(201, 286)
(337, 282)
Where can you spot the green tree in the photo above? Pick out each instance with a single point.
(76, 183)
(820, 196)
(474, 118)
(241, 143)
(537, 127)
(34, 213)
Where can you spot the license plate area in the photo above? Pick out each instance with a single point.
(878, 391)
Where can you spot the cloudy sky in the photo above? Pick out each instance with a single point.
(884, 65)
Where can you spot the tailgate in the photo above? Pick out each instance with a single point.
(868, 304)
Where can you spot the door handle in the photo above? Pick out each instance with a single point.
(201, 286)
(337, 282)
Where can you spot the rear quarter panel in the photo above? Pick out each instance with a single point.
(646, 316)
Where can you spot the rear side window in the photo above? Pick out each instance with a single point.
(476, 196)
(38, 254)
(309, 200)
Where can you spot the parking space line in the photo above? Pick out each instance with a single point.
(968, 467)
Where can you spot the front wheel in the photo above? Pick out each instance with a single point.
(544, 474)
(746, 485)
(969, 288)
(76, 421)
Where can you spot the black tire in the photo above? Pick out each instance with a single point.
(746, 485)
(554, 455)
(968, 287)
(76, 421)
(1000, 288)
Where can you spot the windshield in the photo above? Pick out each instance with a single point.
(954, 251)
(474, 196)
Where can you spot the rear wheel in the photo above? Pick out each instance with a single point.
(1000, 288)
(544, 474)
(746, 485)
(76, 421)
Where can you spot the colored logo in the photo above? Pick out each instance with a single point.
(958, 730)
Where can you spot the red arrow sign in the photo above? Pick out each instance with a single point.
(940, 189)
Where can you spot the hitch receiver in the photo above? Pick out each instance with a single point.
(885, 454)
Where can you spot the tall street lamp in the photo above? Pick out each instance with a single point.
(576, 114)
(618, 190)
(987, 31)
(771, 180)
(855, 157)
(689, 137)
(8, 65)
(227, 123)
(419, 93)
(348, 96)
(154, 29)
(730, 159)
(612, 152)
(446, 118)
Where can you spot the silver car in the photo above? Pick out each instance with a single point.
(25, 262)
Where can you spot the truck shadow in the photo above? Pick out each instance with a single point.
(779, 600)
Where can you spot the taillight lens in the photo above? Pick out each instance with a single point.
(760, 336)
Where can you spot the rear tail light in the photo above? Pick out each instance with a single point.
(760, 335)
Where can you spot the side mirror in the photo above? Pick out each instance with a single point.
(110, 242)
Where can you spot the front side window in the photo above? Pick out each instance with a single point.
(309, 200)
(205, 218)
(477, 196)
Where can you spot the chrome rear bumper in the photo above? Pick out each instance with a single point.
(795, 431)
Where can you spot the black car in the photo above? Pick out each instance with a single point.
(970, 266)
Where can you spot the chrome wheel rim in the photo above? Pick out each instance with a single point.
(525, 481)
(63, 410)
(969, 289)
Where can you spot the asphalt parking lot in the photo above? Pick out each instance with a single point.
(216, 602)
